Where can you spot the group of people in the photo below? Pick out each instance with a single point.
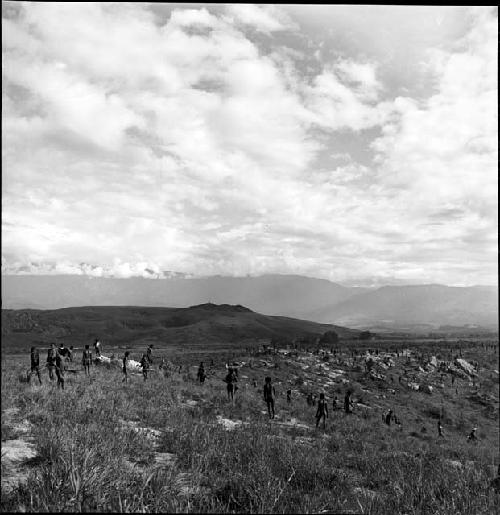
(55, 363)
(56, 358)
(145, 363)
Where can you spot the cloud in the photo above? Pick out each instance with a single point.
(195, 142)
(266, 19)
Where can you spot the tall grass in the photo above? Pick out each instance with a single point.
(90, 458)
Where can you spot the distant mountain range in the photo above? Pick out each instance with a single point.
(423, 307)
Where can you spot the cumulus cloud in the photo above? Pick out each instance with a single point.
(197, 143)
(264, 18)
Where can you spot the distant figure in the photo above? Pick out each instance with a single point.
(70, 356)
(289, 396)
(97, 348)
(440, 428)
(348, 404)
(388, 417)
(87, 359)
(309, 399)
(201, 373)
(452, 380)
(314, 400)
(322, 411)
(145, 366)
(269, 395)
(230, 381)
(255, 383)
(124, 369)
(60, 370)
(334, 402)
(149, 354)
(63, 351)
(51, 360)
(35, 364)
(472, 435)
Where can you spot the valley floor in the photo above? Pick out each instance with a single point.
(170, 444)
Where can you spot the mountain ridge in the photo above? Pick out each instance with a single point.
(295, 296)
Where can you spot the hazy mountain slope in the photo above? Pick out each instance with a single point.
(271, 294)
(426, 304)
(203, 324)
(289, 295)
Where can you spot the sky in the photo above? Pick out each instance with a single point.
(351, 143)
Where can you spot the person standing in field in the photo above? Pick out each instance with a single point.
(145, 366)
(388, 417)
(35, 364)
(60, 370)
(51, 360)
(322, 411)
(348, 404)
(97, 347)
(87, 359)
(124, 369)
(149, 354)
(440, 428)
(289, 396)
(269, 395)
(230, 381)
(63, 351)
(201, 373)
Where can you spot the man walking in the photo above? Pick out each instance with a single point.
(269, 395)
(51, 360)
(35, 364)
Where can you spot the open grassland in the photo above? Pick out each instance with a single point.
(170, 444)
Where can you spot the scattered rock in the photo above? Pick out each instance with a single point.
(293, 422)
(148, 432)
(15, 454)
(17, 451)
(228, 424)
(465, 366)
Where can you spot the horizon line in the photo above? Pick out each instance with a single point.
(188, 276)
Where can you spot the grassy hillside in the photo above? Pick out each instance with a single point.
(170, 444)
(197, 325)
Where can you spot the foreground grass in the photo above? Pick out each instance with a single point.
(90, 459)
